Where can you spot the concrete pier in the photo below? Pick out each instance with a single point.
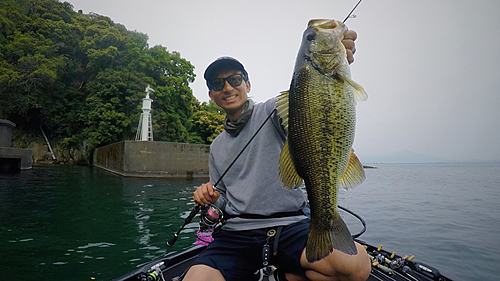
(12, 159)
(154, 159)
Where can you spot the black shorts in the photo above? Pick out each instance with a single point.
(238, 254)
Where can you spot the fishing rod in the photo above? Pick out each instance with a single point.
(196, 209)
(246, 145)
(349, 15)
(189, 218)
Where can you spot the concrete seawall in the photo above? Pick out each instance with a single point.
(12, 159)
(154, 159)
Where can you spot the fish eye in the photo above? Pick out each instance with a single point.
(311, 36)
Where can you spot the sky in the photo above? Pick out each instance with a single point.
(430, 68)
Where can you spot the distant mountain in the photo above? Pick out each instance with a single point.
(403, 156)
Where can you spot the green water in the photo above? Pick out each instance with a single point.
(81, 223)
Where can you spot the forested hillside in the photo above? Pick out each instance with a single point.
(81, 77)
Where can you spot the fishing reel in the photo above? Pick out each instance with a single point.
(153, 274)
(211, 219)
(211, 216)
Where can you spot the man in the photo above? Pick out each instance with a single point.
(262, 213)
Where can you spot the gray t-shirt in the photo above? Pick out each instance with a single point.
(252, 185)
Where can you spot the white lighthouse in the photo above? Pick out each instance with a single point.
(145, 129)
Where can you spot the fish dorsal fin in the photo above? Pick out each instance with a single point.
(359, 92)
(354, 173)
(282, 108)
(288, 173)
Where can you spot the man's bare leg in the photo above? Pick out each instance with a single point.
(202, 272)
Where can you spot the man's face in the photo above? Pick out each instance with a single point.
(231, 99)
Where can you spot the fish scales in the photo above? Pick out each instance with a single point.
(321, 122)
(318, 130)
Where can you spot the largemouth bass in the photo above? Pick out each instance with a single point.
(318, 111)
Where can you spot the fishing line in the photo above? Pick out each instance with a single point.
(359, 218)
(349, 15)
(340, 207)
(248, 143)
(196, 209)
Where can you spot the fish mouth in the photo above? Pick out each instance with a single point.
(323, 24)
(327, 26)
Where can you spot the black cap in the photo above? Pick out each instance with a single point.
(223, 63)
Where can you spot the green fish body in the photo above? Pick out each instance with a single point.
(319, 114)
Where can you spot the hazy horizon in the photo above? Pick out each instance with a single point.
(429, 67)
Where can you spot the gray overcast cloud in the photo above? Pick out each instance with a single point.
(430, 68)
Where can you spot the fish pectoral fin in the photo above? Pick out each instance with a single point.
(359, 92)
(354, 174)
(288, 173)
(282, 108)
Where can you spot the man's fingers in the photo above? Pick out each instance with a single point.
(205, 194)
(350, 56)
(348, 41)
(350, 35)
(215, 196)
(349, 45)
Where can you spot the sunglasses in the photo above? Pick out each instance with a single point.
(233, 80)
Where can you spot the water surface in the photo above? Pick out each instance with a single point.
(74, 223)
(78, 223)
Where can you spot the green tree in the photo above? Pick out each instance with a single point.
(207, 122)
(82, 78)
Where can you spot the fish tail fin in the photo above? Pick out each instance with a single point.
(341, 237)
(321, 242)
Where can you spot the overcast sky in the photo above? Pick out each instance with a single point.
(430, 68)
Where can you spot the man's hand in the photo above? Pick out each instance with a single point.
(348, 41)
(205, 194)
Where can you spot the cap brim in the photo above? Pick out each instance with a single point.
(222, 64)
